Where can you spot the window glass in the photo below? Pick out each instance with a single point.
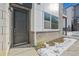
(46, 21)
(50, 21)
(54, 22)
(47, 16)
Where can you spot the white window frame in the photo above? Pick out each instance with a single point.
(50, 24)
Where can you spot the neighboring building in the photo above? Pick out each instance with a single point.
(73, 17)
(70, 16)
(76, 17)
(27, 23)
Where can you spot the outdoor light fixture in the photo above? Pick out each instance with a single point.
(64, 16)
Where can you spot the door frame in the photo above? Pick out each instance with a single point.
(25, 9)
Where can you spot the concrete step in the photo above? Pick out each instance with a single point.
(22, 51)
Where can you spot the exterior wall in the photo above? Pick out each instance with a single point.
(4, 29)
(70, 16)
(73, 17)
(6, 40)
(76, 10)
(32, 26)
(37, 32)
(61, 20)
(76, 17)
(9, 27)
(47, 34)
(39, 14)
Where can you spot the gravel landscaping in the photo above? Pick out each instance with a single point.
(57, 49)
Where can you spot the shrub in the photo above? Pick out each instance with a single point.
(59, 40)
(51, 43)
(40, 45)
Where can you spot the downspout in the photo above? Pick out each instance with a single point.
(35, 43)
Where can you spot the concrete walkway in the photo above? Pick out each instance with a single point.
(22, 51)
(73, 50)
(73, 34)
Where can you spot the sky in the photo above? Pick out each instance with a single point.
(66, 5)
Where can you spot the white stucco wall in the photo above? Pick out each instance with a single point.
(52, 8)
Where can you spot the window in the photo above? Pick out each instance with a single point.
(50, 21)
(54, 22)
(47, 21)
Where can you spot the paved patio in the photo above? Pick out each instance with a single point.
(22, 51)
(73, 50)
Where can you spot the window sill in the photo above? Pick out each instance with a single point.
(49, 30)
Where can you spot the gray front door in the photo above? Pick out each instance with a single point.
(21, 32)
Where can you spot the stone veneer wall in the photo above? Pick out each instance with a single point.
(2, 28)
(47, 36)
(5, 27)
(31, 38)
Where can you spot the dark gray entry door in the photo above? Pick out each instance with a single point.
(20, 27)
